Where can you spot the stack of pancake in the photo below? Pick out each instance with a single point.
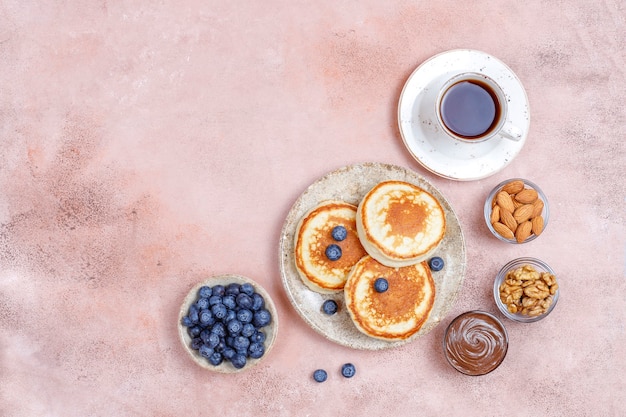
(395, 228)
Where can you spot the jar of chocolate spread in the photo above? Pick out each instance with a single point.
(475, 343)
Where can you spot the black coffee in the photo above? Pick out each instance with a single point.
(470, 109)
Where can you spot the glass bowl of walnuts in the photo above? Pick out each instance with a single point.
(526, 290)
(516, 211)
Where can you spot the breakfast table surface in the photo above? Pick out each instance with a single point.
(147, 146)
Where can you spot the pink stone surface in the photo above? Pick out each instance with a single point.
(148, 145)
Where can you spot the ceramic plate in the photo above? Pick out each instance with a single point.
(425, 139)
(350, 184)
(270, 330)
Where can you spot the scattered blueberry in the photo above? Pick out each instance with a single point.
(435, 263)
(348, 370)
(320, 375)
(333, 252)
(329, 307)
(339, 233)
(381, 285)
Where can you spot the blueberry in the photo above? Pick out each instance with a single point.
(206, 351)
(202, 303)
(213, 340)
(329, 307)
(256, 350)
(219, 311)
(206, 318)
(221, 345)
(258, 302)
(234, 327)
(229, 301)
(186, 321)
(193, 313)
(215, 299)
(204, 336)
(205, 291)
(333, 252)
(245, 315)
(230, 315)
(194, 331)
(232, 289)
(261, 318)
(219, 290)
(259, 336)
(216, 358)
(339, 233)
(320, 375)
(244, 301)
(219, 329)
(248, 330)
(381, 285)
(238, 360)
(247, 289)
(228, 353)
(435, 263)
(240, 343)
(348, 370)
(196, 342)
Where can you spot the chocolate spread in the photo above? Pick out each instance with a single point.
(475, 343)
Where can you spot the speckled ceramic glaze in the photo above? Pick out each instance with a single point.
(427, 140)
(271, 330)
(350, 184)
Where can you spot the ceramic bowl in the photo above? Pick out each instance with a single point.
(490, 203)
(192, 297)
(539, 266)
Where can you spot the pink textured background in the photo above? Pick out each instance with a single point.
(148, 145)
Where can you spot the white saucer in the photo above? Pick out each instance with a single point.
(425, 139)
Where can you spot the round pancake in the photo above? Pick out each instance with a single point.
(399, 223)
(397, 313)
(312, 237)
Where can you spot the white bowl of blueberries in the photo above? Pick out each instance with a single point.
(227, 323)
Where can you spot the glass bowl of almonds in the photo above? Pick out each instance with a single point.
(526, 290)
(516, 211)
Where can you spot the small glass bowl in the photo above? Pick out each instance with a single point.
(475, 343)
(270, 330)
(539, 266)
(490, 201)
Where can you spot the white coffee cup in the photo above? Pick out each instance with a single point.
(472, 108)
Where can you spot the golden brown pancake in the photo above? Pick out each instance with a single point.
(313, 235)
(399, 223)
(397, 313)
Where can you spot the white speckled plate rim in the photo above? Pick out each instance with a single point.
(350, 184)
(425, 139)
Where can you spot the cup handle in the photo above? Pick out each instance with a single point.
(510, 131)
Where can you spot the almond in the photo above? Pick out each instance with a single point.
(495, 214)
(537, 208)
(513, 187)
(537, 225)
(523, 213)
(504, 200)
(523, 231)
(502, 230)
(527, 196)
(508, 220)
